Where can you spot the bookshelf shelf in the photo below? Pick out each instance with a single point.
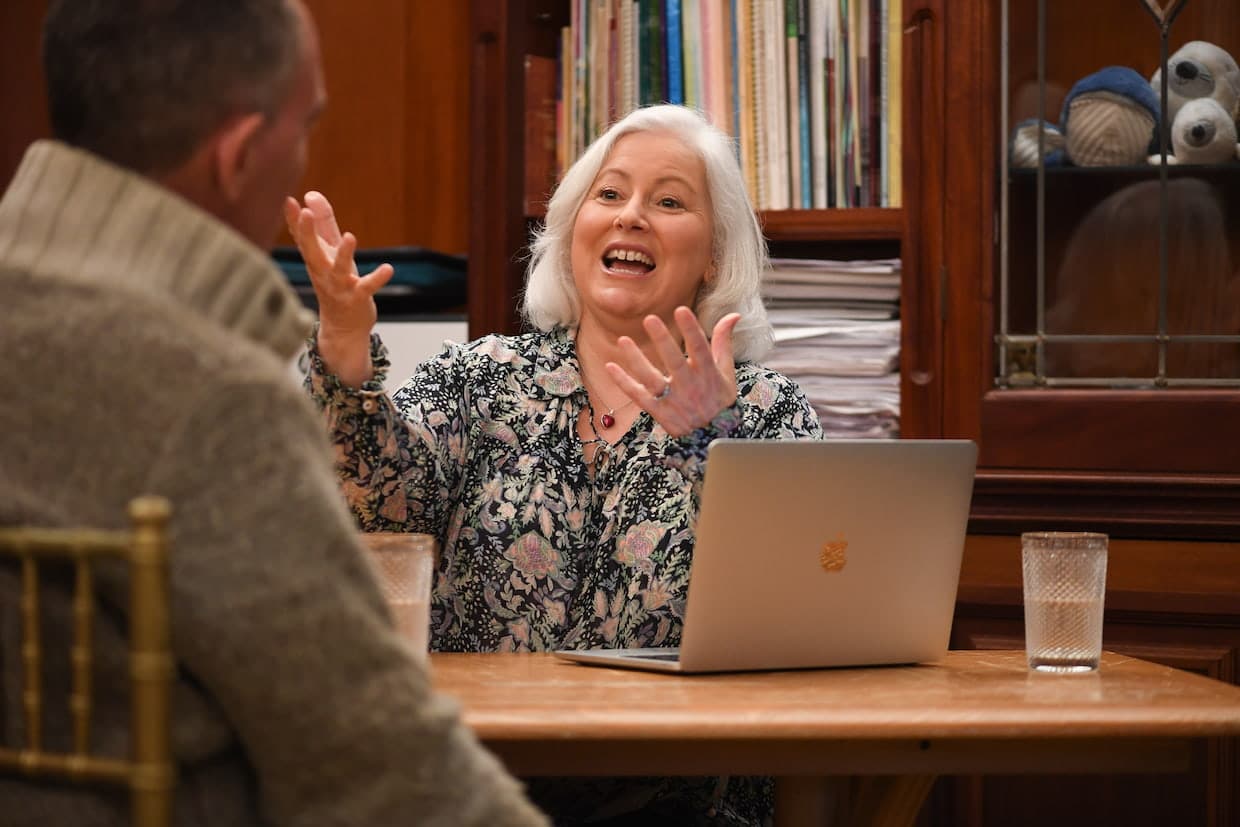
(852, 224)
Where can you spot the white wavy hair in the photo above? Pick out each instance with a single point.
(739, 250)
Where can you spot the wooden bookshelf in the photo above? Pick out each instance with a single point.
(853, 224)
(847, 225)
(504, 32)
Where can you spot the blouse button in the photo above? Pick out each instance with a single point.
(369, 405)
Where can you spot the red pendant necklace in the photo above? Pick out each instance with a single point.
(608, 419)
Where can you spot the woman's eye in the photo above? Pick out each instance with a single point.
(670, 202)
(608, 194)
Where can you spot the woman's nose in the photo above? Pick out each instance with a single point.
(632, 215)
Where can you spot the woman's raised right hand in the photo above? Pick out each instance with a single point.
(347, 311)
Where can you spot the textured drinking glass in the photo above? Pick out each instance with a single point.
(1065, 575)
(404, 565)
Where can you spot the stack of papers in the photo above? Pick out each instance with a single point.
(837, 336)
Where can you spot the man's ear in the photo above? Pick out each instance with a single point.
(234, 157)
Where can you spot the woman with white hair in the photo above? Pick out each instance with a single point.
(561, 469)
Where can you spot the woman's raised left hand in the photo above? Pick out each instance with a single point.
(687, 388)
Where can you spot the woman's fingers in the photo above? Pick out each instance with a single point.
(721, 350)
(651, 378)
(292, 210)
(319, 262)
(374, 280)
(697, 348)
(635, 390)
(664, 344)
(325, 225)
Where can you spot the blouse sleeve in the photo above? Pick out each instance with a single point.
(398, 457)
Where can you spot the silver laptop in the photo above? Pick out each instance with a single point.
(820, 553)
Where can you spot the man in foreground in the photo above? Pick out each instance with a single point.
(146, 336)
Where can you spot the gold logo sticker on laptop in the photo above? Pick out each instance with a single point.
(834, 554)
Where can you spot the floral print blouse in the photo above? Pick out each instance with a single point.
(480, 448)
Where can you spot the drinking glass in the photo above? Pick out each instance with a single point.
(404, 566)
(1064, 585)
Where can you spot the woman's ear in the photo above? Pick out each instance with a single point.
(234, 157)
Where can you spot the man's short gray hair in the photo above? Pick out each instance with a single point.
(739, 250)
(143, 82)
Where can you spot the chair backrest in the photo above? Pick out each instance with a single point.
(149, 770)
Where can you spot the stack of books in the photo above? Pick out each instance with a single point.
(838, 336)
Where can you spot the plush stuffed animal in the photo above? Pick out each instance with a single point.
(1200, 70)
(1109, 118)
(1203, 133)
(1023, 151)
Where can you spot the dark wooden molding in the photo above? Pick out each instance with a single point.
(1150, 582)
(497, 231)
(860, 224)
(1168, 506)
(1188, 431)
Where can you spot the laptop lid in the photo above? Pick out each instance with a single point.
(821, 553)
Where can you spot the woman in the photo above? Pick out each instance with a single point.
(561, 469)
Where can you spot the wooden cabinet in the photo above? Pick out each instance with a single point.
(1154, 462)
(1162, 461)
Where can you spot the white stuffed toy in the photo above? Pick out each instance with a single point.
(1203, 133)
(1200, 70)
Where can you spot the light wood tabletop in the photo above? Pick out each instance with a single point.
(972, 712)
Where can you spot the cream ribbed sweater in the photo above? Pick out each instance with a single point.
(143, 349)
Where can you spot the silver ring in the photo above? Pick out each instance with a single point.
(667, 389)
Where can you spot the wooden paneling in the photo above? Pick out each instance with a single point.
(22, 98)
(1147, 577)
(436, 105)
(392, 149)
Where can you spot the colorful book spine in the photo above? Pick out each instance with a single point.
(691, 31)
(675, 53)
(876, 153)
(833, 104)
(760, 175)
(803, 105)
(894, 157)
(777, 103)
(817, 101)
(793, 96)
(627, 58)
(652, 52)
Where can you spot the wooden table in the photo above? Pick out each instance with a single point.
(889, 730)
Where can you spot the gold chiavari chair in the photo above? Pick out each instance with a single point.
(149, 770)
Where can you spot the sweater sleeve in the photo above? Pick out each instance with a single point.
(398, 457)
(276, 614)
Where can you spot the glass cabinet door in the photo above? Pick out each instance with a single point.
(1119, 195)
